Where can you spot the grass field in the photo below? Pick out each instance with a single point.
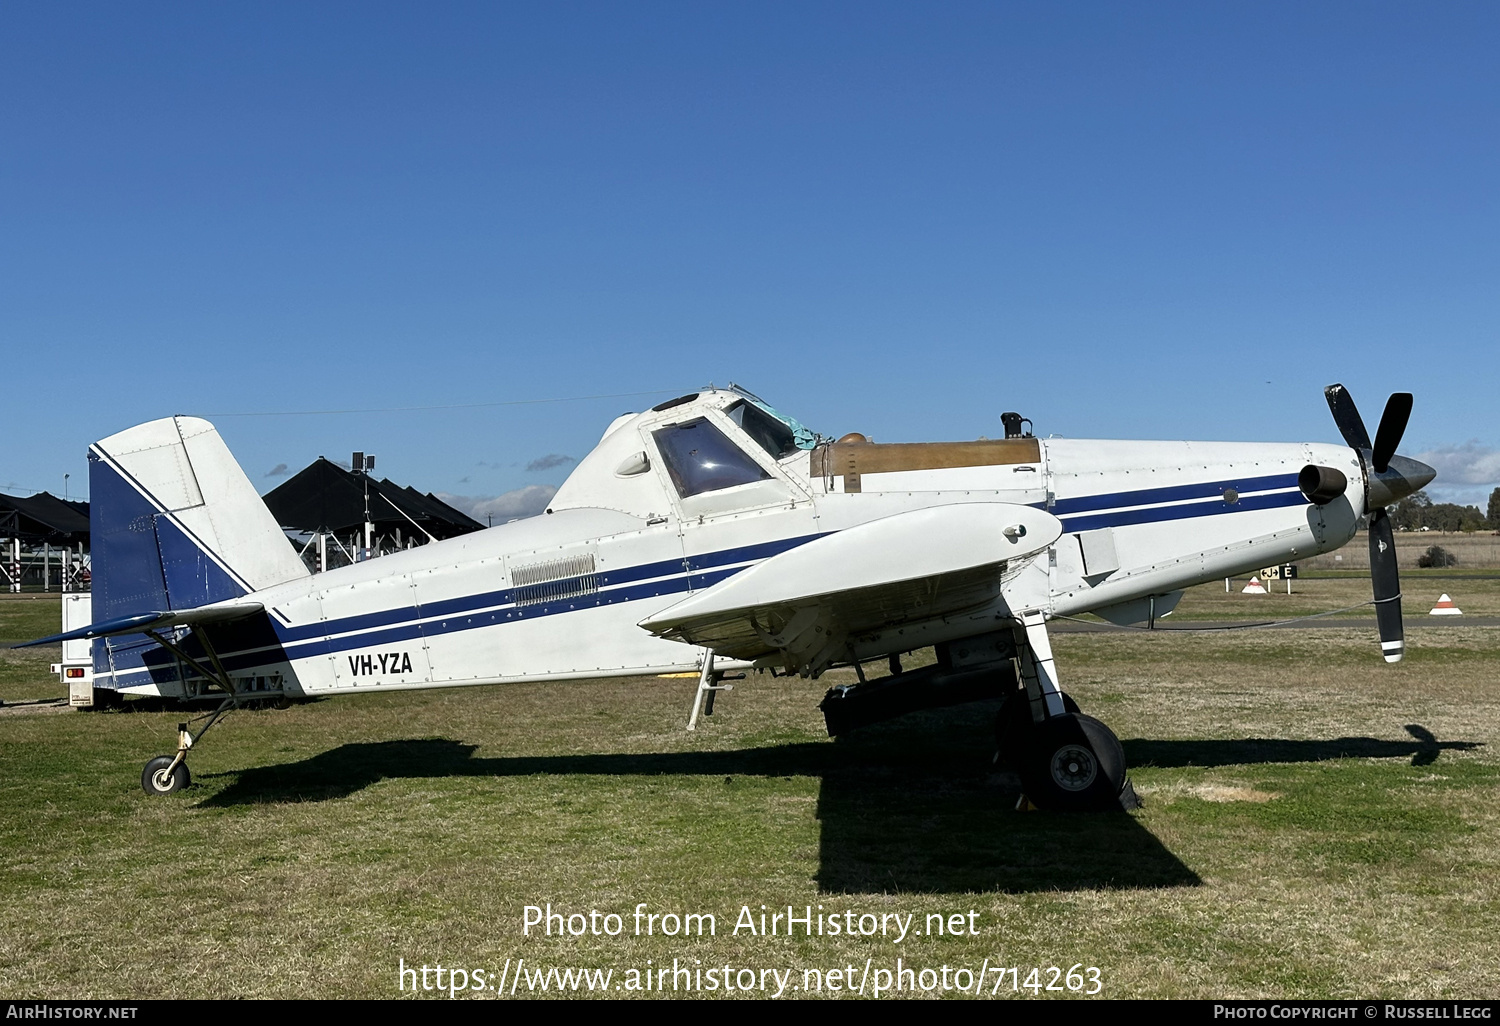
(1473, 549)
(1316, 824)
(1327, 590)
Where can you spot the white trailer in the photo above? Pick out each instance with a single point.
(77, 667)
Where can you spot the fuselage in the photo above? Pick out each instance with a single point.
(632, 532)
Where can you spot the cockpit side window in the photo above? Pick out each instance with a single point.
(700, 458)
(769, 433)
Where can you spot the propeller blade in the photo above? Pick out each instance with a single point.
(1346, 416)
(1392, 427)
(1387, 585)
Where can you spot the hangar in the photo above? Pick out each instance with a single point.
(38, 530)
(337, 517)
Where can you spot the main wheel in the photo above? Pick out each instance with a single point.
(1073, 763)
(156, 780)
(1013, 724)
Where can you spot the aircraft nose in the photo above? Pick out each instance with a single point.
(1403, 477)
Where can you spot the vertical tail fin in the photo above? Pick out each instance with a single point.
(174, 524)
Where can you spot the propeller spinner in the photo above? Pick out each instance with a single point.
(1388, 478)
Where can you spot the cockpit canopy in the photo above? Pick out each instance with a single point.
(702, 453)
(700, 458)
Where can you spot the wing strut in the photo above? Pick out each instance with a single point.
(1038, 670)
(708, 685)
(167, 773)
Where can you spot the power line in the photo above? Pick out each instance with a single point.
(419, 409)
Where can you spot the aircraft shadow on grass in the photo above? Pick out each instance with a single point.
(910, 805)
(1423, 750)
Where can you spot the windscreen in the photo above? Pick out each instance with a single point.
(700, 458)
(769, 433)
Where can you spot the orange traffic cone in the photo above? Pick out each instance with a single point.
(1445, 607)
(1254, 587)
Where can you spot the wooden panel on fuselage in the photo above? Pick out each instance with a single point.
(853, 460)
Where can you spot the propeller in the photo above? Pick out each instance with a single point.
(1386, 583)
(1346, 416)
(1388, 477)
(1392, 427)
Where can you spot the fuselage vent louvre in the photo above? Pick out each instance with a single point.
(554, 580)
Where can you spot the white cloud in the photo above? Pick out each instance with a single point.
(523, 502)
(1467, 464)
(1466, 474)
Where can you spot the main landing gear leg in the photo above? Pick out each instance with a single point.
(1067, 761)
(167, 773)
(1036, 701)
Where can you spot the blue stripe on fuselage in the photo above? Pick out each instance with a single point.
(1184, 511)
(414, 631)
(698, 572)
(664, 576)
(1172, 493)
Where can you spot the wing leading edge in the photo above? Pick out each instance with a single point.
(908, 568)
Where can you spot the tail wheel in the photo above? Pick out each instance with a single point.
(1013, 725)
(1074, 763)
(161, 777)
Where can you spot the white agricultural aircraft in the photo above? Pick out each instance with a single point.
(712, 534)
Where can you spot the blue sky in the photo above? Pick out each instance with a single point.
(1156, 221)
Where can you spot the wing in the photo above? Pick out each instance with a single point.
(220, 612)
(808, 602)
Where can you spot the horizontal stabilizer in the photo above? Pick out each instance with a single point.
(138, 622)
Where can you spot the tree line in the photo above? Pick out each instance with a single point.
(1417, 511)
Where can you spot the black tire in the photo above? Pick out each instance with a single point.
(1013, 725)
(156, 780)
(1074, 764)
